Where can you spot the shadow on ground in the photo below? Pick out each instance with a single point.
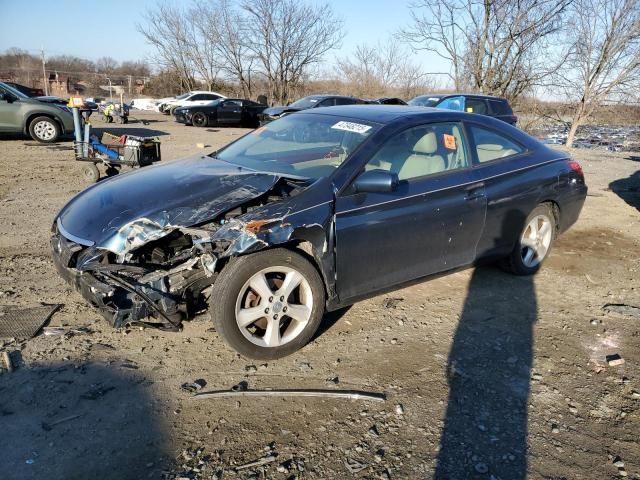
(628, 189)
(489, 367)
(117, 434)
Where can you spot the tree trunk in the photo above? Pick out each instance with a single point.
(576, 122)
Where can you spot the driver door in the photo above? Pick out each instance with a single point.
(431, 222)
(230, 111)
(10, 120)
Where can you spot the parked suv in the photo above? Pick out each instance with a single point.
(45, 122)
(496, 107)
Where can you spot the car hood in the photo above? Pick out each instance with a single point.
(129, 210)
(276, 111)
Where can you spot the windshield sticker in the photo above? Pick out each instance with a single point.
(352, 127)
(449, 141)
(258, 131)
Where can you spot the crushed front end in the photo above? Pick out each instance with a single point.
(154, 282)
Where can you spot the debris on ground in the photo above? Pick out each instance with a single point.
(49, 426)
(391, 302)
(614, 360)
(194, 386)
(24, 323)
(623, 309)
(241, 390)
(6, 356)
(257, 463)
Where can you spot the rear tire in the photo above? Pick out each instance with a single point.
(199, 119)
(44, 130)
(289, 283)
(534, 243)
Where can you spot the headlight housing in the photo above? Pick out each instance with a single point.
(65, 108)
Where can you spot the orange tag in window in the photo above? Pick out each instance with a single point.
(258, 131)
(449, 141)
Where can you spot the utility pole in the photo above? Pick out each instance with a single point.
(44, 75)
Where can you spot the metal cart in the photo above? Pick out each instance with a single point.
(111, 151)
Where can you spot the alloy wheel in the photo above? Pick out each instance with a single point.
(536, 240)
(274, 306)
(44, 130)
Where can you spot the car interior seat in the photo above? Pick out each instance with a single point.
(423, 160)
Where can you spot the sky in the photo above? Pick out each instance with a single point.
(108, 27)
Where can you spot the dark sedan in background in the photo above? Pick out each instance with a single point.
(224, 112)
(312, 101)
(496, 107)
(311, 213)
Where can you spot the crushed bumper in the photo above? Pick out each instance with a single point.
(114, 303)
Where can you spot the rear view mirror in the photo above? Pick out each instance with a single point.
(376, 181)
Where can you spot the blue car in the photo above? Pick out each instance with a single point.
(311, 213)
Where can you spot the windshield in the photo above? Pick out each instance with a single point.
(10, 89)
(306, 102)
(311, 146)
(183, 96)
(424, 101)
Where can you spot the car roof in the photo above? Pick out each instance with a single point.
(387, 114)
(330, 96)
(444, 95)
(376, 113)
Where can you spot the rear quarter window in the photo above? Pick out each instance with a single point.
(500, 107)
(491, 145)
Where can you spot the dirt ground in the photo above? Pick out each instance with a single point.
(487, 376)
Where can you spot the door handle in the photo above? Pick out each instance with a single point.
(474, 191)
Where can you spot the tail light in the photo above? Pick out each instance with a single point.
(576, 167)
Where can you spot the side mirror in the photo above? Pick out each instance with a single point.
(376, 181)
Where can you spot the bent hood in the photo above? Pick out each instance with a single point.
(127, 211)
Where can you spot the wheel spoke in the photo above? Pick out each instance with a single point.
(542, 251)
(529, 243)
(246, 316)
(529, 256)
(534, 228)
(290, 283)
(546, 227)
(260, 286)
(272, 335)
(301, 313)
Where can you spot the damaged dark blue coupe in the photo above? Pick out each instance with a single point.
(311, 213)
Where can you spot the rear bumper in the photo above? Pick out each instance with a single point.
(571, 206)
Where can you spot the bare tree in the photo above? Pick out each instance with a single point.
(494, 46)
(286, 38)
(605, 63)
(169, 32)
(376, 70)
(227, 34)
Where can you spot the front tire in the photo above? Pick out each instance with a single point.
(199, 119)
(44, 130)
(268, 304)
(534, 243)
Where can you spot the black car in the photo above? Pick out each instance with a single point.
(311, 213)
(312, 101)
(387, 101)
(496, 107)
(223, 112)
